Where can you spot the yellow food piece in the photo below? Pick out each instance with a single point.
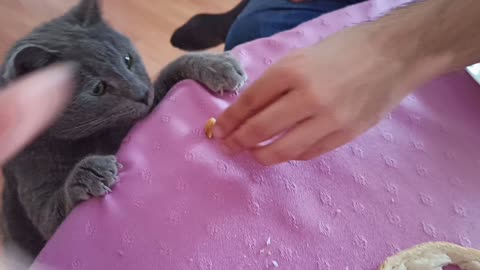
(209, 127)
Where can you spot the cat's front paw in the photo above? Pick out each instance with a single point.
(222, 73)
(92, 177)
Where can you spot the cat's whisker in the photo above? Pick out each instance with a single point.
(95, 122)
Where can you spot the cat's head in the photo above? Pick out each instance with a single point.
(112, 85)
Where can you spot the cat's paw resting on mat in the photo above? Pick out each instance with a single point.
(218, 72)
(93, 176)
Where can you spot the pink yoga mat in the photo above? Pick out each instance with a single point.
(182, 204)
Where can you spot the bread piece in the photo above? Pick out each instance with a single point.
(433, 256)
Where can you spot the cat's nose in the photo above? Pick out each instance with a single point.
(144, 98)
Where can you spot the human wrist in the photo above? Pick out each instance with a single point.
(400, 48)
(431, 37)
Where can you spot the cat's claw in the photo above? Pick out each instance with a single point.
(109, 190)
(93, 176)
(223, 73)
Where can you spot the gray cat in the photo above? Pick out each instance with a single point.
(74, 159)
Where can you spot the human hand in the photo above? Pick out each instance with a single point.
(317, 99)
(28, 105)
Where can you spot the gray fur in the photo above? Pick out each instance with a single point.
(74, 159)
(218, 72)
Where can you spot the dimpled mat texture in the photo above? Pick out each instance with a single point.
(182, 204)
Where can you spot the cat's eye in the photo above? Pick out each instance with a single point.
(128, 61)
(100, 89)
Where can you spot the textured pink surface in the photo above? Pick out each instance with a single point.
(182, 204)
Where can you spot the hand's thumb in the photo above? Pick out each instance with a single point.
(28, 105)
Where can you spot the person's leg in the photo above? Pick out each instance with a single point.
(263, 18)
(204, 30)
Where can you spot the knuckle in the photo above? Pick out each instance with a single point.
(283, 71)
(247, 102)
(288, 74)
(249, 135)
(279, 155)
(376, 118)
(226, 121)
(235, 141)
(243, 139)
(231, 116)
(304, 157)
(254, 129)
(314, 101)
(340, 119)
(349, 135)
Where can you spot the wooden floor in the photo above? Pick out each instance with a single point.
(149, 23)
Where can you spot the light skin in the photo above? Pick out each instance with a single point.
(30, 104)
(320, 98)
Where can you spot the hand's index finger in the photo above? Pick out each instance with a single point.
(30, 104)
(261, 93)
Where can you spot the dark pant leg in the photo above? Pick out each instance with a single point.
(263, 18)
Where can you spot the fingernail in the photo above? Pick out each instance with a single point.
(109, 190)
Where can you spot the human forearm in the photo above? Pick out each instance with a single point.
(433, 36)
(323, 107)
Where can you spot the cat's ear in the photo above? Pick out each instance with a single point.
(87, 13)
(28, 58)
